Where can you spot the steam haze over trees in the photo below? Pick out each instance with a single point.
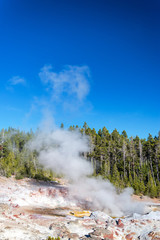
(126, 162)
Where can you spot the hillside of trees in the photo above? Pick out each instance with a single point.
(132, 162)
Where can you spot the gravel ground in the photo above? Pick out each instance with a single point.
(36, 210)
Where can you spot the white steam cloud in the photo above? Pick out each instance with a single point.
(61, 151)
(72, 81)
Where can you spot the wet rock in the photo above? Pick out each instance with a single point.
(102, 233)
(96, 238)
(120, 224)
(129, 237)
(51, 192)
(64, 232)
(101, 222)
(149, 221)
(89, 223)
(101, 216)
(134, 221)
(59, 230)
(108, 236)
(154, 235)
(88, 237)
(143, 223)
(78, 227)
(51, 226)
(16, 216)
(73, 236)
(63, 192)
(151, 235)
(98, 232)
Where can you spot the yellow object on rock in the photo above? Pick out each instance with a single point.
(80, 213)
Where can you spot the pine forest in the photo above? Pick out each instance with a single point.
(126, 162)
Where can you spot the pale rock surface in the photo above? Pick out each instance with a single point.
(34, 210)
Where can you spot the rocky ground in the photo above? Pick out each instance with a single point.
(36, 210)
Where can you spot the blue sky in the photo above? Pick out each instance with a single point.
(104, 55)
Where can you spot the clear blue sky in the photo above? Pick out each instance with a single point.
(118, 42)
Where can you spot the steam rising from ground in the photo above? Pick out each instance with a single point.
(61, 151)
(71, 81)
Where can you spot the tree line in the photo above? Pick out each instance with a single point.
(126, 162)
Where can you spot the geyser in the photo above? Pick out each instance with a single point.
(61, 151)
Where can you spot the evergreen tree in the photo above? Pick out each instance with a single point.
(125, 161)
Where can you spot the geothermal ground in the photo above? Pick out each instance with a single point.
(31, 209)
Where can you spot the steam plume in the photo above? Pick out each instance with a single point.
(61, 151)
(72, 82)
